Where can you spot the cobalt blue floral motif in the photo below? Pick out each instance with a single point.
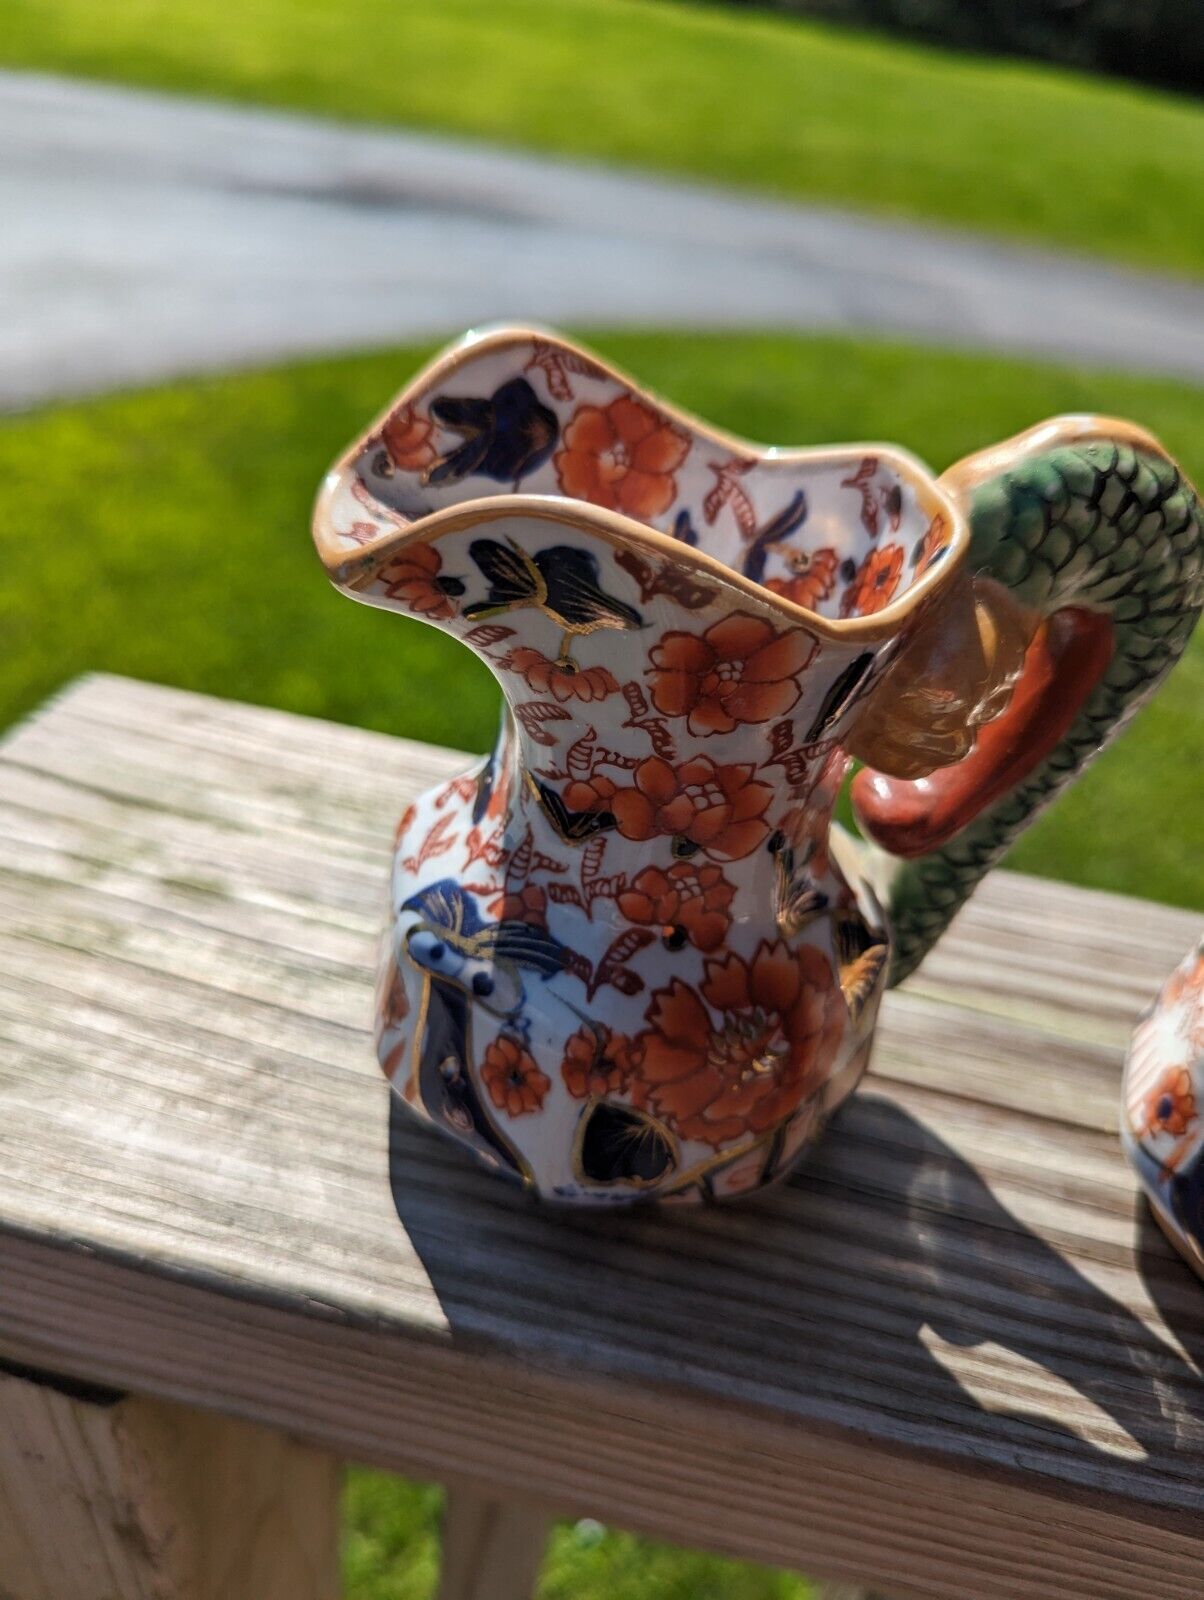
(789, 520)
(469, 962)
(505, 437)
(562, 582)
(684, 530)
(451, 939)
(1187, 1199)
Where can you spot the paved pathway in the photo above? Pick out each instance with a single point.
(144, 236)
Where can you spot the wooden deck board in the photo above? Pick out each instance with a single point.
(953, 1345)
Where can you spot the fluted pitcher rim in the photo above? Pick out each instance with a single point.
(353, 568)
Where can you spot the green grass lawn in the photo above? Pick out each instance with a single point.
(726, 94)
(392, 1553)
(164, 534)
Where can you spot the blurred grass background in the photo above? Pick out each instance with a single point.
(736, 96)
(163, 534)
(392, 1553)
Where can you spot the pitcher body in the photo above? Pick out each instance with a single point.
(628, 954)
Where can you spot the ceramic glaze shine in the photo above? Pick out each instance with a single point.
(627, 956)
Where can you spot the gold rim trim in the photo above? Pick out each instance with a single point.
(349, 568)
(966, 475)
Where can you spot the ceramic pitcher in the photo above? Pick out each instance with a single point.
(629, 953)
(1162, 1128)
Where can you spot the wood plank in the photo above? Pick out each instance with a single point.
(958, 1291)
(492, 1548)
(742, 1482)
(144, 1500)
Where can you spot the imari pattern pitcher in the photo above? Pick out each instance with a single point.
(1162, 1124)
(630, 954)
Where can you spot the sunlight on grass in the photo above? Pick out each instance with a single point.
(728, 94)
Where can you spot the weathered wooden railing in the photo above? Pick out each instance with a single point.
(953, 1358)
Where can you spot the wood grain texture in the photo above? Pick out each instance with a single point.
(149, 1501)
(492, 1549)
(953, 1344)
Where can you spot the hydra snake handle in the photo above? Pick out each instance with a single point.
(1097, 536)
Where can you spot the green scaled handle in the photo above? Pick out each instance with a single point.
(1095, 530)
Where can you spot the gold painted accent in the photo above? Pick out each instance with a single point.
(413, 1095)
(862, 966)
(648, 1121)
(964, 476)
(953, 673)
(351, 569)
(797, 903)
(522, 1165)
(722, 1158)
(683, 1179)
(549, 817)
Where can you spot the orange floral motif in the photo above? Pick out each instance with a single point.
(392, 1002)
(515, 1084)
(409, 440)
(562, 678)
(688, 902)
(1171, 1104)
(717, 809)
(933, 544)
(528, 904)
(596, 1061)
(405, 822)
(876, 581)
(594, 793)
(782, 1017)
(622, 456)
(740, 670)
(812, 577)
(415, 576)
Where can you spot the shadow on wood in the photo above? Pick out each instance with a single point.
(1171, 1285)
(952, 1271)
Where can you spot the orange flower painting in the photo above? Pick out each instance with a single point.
(781, 1017)
(1171, 1105)
(933, 545)
(515, 1084)
(561, 677)
(409, 440)
(717, 809)
(416, 576)
(597, 1061)
(740, 670)
(812, 577)
(689, 902)
(622, 456)
(528, 904)
(392, 1002)
(876, 580)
